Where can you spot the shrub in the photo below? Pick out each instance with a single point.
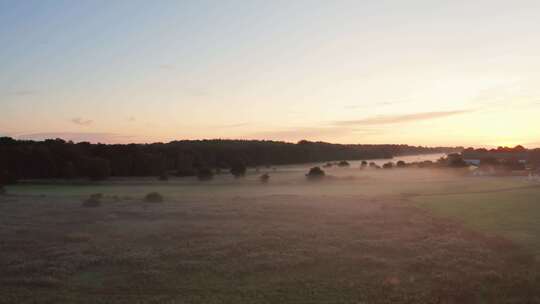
(153, 197)
(93, 201)
(265, 178)
(401, 164)
(388, 165)
(205, 174)
(328, 165)
(364, 163)
(238, 170)
(343, 163)
(315, 173)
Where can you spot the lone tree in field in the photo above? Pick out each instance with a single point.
(264, 178)
(315, 173)
(343, 163)
(388, 165)
(238, 169)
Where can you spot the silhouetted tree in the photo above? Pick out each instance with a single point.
(69, 171)
(455, 160)
(96, 168)
(315, 173)
(56, 158)
(388, 165)
(238, 169)
(264, 178)
(343, 163)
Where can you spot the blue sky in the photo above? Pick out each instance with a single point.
(417, 72)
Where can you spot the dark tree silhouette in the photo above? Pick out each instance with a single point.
(264, 178)
(388, 165)
(238, 169)
(56, 158)
(96, 168)
(315, 173)
(204, 174)
(343, 163)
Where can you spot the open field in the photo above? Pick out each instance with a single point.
(391, 236)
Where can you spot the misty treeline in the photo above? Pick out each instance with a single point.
(56, 158)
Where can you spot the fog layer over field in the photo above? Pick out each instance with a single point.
(355, 236)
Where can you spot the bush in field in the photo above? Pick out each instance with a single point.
(265, 178)
(401, 164)
(388, 165)
(455, 160)
(315, 173)
(364, 164)
(238, 169)
(153, 197)
(93, 201)
(328, 165)
(205, 174)
(343, 163)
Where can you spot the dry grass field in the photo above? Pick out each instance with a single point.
(366, 238)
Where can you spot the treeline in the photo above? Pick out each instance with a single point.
(56, 158)
(531, 156)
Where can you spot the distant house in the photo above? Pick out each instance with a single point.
(475, 157)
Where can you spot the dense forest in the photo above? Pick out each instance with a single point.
(56, 158)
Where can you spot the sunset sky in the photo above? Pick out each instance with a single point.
(415, 72)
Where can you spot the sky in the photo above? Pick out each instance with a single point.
(434, 73)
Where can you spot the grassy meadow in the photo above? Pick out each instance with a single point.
(359, 236)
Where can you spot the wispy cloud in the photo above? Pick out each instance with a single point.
(81, 122)
(360, 106)
(236, 125)
(296, 133)
(394, 119)
(166, 66)
(79, 136)
(21, 92)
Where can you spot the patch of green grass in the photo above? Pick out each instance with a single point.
(511, 214)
